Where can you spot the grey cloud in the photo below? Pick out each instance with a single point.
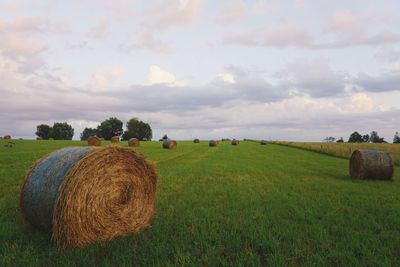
(382, 83)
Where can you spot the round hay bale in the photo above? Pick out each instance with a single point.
(235, 142)
(196, 141)
(213, 143)
(115, 139)
(86, 195)
(263, 142)
(371, 164)
(7, 137)
(169, 144)
(93, 141)
(133, 142)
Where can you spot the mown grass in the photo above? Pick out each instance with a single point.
(345, 150)
(246, 205)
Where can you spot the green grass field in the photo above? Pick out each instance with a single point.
(245, 205)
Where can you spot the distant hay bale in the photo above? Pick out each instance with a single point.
(134, 142)
(213, 143)
(86, 195)
(196, 141)
(263, 142)
(225, 139)
(371, 164)
(169, 144)
(7, 137)
(93, 141)
(235, 142)
(39, 138)
(115, 139)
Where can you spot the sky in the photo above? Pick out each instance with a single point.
(297, 70)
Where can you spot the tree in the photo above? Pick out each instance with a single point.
(375, 138)
(87, 132)
(340, 140)
(329, 139)
(62, 131)
(355, 138)
(366, 138)
(137, 129)
(396, 138)
(44, 131)
(109, 128)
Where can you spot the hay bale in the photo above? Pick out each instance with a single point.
(133, 142)
(263, 142)
(7, 137)
(169, 144)
(86, 195)
(115, 139)
(371, 164)
(235, 142)
(196, 141)
(39, 138)
(213, 143)
(93, 141)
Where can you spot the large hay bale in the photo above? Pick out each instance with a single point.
(89, 194)
(235, 142)
(7, 137)
(133, 142)
(213, 143)
(93, 141)
(169, 144)
(263, 142)
(115, 139)
(371, 164)
(196, 141)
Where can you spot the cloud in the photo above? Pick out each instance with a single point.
(226, 77)
(164, 14)
(100, 29)
(236, 11)
(146, 41)
(281, 35)
(108, 78)
(156, 75)
(382, 83)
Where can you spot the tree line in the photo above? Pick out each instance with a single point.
(373, 137)
(108, 128)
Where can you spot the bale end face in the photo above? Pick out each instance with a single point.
(235, 142)
(169, 144)
(133, 142)
(371, 164)
(115, 139)
(94, 141)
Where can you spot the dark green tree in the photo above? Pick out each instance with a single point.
(44, 131)
(375, 138)
(137, 129)
(340, 140)
(62, 131)
(366, 138)
(109, 128)
(355, 138)
(87, 132)
(396, 138)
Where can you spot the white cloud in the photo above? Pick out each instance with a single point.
(108, 78)
(157, 75)
(227, 77)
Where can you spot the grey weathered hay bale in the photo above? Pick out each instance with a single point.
(213, 143)
(88, 194)
(371, 164)
(263, 142)
(7, 137)
(134, 142)
(93, 141)
(169, 144)
(235, 142)
(196, 141)
(115, 139)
